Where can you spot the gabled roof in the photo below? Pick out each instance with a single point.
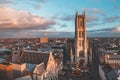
(34, 57)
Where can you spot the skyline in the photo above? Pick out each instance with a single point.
(53, 18)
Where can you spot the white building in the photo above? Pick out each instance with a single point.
(41, 65)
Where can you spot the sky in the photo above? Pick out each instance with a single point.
(56, 18)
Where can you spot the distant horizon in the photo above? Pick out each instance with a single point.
(64, 34)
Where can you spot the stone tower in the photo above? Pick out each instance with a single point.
(80, 39)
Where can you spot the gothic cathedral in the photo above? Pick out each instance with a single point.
(80, 39)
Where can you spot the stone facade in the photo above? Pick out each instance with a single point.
(80, 38)
(43, 40)
(6, 71)
(41, 65)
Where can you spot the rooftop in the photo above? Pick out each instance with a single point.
(34, 57)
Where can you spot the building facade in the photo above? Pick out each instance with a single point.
(40, 65)
(80, 39)
(6, 71)
(43, 40)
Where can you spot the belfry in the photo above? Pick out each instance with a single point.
(80, 39)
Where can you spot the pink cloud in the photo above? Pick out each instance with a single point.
(92, 18)
(6, 1)
(94, 11)
(116, 29)
(10, 18)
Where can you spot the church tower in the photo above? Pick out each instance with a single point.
(80, 39)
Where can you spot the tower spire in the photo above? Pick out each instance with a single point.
(76, 13)
(80, 39)
(84, 12)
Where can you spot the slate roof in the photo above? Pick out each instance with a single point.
(30, 67)
(5, 51)
(112, 75)
(34, 57)
(1, 60)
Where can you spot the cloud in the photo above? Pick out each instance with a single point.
(93, 24)
(67, 18)
(98, 11)
(90, 13)
(63, 25)
(111, 19)
(113, 30)
(117, 7)
(13, 19)
(94, 11)
(106, 32)
(93, 16)
(100, 30)
(113, 0)
(92, 19)
(36, 34)
(38, 3)
(64, 17)
(40, 0)
(37, 7)
(5, 2)
(116, 29)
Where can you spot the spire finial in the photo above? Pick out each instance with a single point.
(76, 13)
(84, 12)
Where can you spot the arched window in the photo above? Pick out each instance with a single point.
(81, 54)
(80, 34)
(80, 23)
(80, 43)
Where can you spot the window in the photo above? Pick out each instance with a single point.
(81, 54)
(81, 23)
(80, 43)
(80, 33)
